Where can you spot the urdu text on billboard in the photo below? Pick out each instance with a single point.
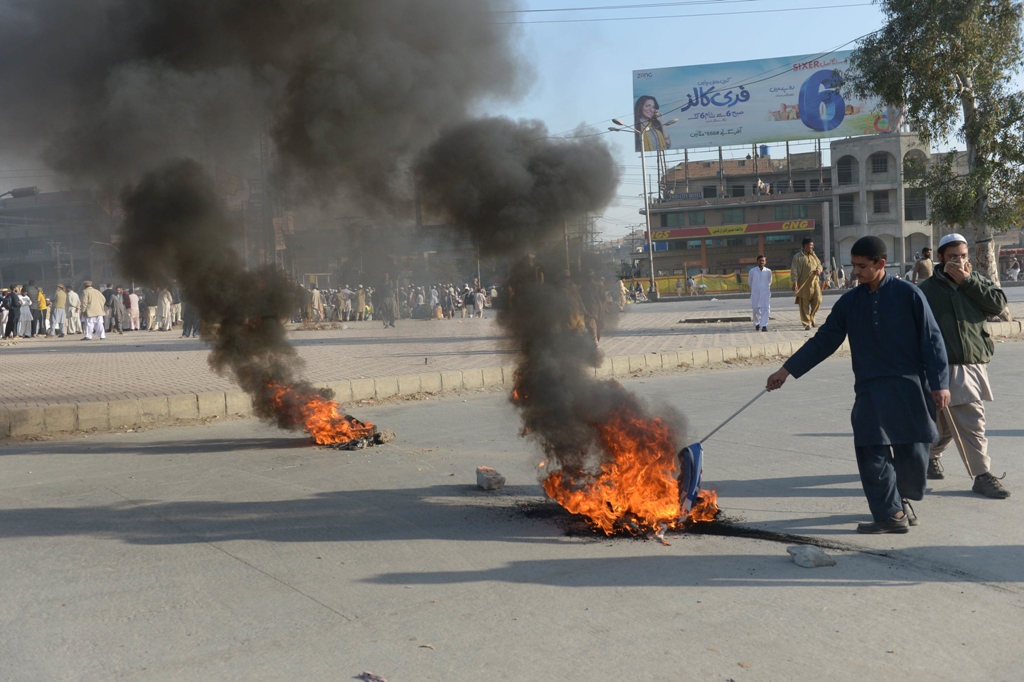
(765, 100)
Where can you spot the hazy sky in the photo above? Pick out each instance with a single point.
(583, 61)
(584, 68)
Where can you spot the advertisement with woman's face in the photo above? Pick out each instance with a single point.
(647, 122)
(765, 100)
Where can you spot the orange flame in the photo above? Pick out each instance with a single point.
(320, 417)
(637, 489)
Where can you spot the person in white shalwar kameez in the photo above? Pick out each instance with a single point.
(760, 280)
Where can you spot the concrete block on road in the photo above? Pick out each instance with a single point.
(430, 383)
(181, 406)
(715, 355)
(700, 357)
(728, 353)
(489, 479)
(785, 349)
(409, 384)
(653, 361)
(28, 421)
(757, 350)
(385, 387)
(451, 381)
(605, 368)
(238, 402)
(211, 404)
(771, 350)
(685, 358)
(154, 409)
(492, 377)
(60, 418)
(93, 416)
(620, 366)
(5, 422)
(362, 389)
(124, 413)
(670, 360)
(342, 390)
(743, 351)
(472, 378)
(637, 363)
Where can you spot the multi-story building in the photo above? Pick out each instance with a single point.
(56, 236)
(715, 217)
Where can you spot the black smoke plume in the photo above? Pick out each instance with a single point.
(347, 88)
(120, 93)
(174, 223)
(512, 187)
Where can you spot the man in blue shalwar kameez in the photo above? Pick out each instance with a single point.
(901, 378)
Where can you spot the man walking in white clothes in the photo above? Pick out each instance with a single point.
(94, 309)
(760, 280)
(74, 312)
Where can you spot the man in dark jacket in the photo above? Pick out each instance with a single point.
(901, 378)
(961, 301)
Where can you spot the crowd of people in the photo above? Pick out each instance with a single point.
(27, 312)
(389, 302)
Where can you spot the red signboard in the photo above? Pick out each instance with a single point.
(801, 225)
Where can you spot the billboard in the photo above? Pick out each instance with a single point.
(765, 100)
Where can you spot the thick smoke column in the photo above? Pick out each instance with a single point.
(117, 93)
(174, 224)
(347, 88)
(511, 186)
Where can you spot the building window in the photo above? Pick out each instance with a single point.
(732, 216)
(844, 169)
(880, 201)
(787, 211)
(693, 243)
(799, 185)
(879, 164)
(914, 207)
(846, 216)
(778, 238)
(710, 191)
(826, 182)
(675, 219)
(738, 191)
(815, 184)
(697, 217)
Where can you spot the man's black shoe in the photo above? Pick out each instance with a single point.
(988, 485)
(935, 469)
(890, 525)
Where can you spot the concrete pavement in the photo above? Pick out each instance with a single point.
(52, 386)
(235, 551)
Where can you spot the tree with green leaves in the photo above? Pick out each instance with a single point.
(950, 65)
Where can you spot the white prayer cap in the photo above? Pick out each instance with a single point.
(951, 238)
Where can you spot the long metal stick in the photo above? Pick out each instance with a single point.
(734, 415)
(959, 443)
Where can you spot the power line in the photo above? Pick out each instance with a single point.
(685, 16)
(646, 5)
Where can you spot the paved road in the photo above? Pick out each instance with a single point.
(41, 372)
(238, 552)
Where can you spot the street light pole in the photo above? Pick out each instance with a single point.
(642, 131)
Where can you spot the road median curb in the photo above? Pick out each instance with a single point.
(29, 422)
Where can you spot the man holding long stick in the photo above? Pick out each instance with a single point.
(901, 378)
(961, 300)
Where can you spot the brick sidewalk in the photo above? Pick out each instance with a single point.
(47, 372)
